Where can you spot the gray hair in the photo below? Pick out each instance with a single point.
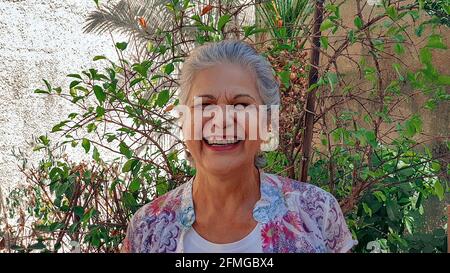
(235, 52)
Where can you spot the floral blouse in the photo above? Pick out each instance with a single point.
(295, 217)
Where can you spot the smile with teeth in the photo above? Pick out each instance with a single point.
(218, 142)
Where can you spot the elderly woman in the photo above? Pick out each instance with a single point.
(231, 205)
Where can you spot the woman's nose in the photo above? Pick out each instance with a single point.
(222, 116)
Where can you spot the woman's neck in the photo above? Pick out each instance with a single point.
(227, 193)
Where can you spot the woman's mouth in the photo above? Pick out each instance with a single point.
(221, 144)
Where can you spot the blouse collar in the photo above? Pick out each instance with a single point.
(270, 206)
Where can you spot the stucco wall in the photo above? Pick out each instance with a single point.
(39, 39)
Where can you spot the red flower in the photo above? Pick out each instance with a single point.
(270, 234)
(206, 9)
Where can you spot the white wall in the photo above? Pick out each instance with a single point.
(39, 39)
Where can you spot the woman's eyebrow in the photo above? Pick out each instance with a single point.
(235, 97)
(206, 96)
(244, 95)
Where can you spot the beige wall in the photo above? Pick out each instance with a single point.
(39, 40)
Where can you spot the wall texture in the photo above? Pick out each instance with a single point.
(39, 39)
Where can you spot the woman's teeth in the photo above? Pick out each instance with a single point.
(221, 142)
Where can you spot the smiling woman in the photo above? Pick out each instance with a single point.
(231, 204)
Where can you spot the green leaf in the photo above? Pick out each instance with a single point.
(399, 49)
(351, 36)
(58, 127)
(161, 187)
(169, 68)
(285, 78)
(110, 138)
(326, 24)
(49, 88)
(439, 190)
(409, 224)
(425, 55)
(206, 28)
(77, 76)
(358, 22)
(324, 42)
(48, 91)
(444, 79)
(97, 58)
(129, 165)
(435, 41)
(128, 200)
(122, 46)
(91, 127)
(136, 81)
(79, 211)
(367, 209)
(435, 166)
(40, 91)
(125, 150)
(196, 18)
(73, 84)
(99, 94)
(38, 245)
(396, 67)
(419, 30)
(86, 144)
(250, 30)
(149, 46)
(413, 126)
(135, 185)
(371, 138)
(392, 210)
(44, 140)
(88, 215)
(96, 155)
(391, 11)
(223, 20)
(163, 98)
(421, 4)
(332, 80)
(55, 174)
(380, 196)
(142, 68)
(100, 111)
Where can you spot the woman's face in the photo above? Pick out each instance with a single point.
(225, 144)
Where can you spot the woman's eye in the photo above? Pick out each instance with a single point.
(203, 105)
(241, 104)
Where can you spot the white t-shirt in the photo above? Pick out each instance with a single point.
(194, 243)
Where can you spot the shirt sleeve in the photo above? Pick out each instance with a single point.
(338, 238)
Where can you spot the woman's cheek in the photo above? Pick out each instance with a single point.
(240, 129)
(194, 147)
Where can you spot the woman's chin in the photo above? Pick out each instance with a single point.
(223, 164)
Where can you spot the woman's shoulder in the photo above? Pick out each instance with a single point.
(159, 217)
(294, 188)
(316, 212)
(169, 202)
(305, 199)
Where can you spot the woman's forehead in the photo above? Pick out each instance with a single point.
(225, 75)
(231, 91)
(224, 82)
